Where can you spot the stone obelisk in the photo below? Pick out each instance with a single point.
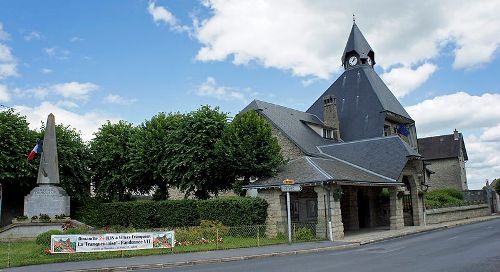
(48, 198)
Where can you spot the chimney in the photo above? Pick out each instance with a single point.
(455, 135)
(330, 116)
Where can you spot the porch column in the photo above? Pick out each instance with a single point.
(396, 209)
(276, 211)
(322, 222)
(416, 202)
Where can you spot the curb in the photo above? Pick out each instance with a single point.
(218, 260)
(365, 242)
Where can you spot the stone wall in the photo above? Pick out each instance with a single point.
(289, 150)
(435, 216)
(276, 211)
(321, 226)
(475, 196)
(448, 174)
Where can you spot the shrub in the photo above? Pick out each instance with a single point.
(44, 238)
(233, 211)
(44, 218)
(303, 234)
(447, 197)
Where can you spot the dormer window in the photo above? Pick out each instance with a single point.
(327, 133)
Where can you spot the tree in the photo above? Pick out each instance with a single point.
(16, 141)
(194, 166)
(110, 151)
(74, 162)
(249, 148)
(497, 185)
(150, 154)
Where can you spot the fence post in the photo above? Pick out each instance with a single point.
(217, 238)
(258, 235)
(8, 254)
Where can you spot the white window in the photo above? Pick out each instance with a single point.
(327, 133)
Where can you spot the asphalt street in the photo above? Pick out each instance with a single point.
(473, 248)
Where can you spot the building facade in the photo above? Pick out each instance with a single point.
(445, 156)
(354, 152)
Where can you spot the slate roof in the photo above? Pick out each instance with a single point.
(357, 42)
(313, 170)
(386, 156)
(291, 123)
(441, 147)
(362, 100)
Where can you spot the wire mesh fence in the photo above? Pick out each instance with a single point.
(15, 252)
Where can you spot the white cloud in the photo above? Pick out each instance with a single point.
(4, 93)
(308, 38)
(117, 99)
(76, 39)
(403, 80)
(459, 110)
(88, 123)
(57, 52)
(8, 70)
(46, 71)
(5, 53)
(33, 35)
(68, 104)
(8, 64)
(161, 14)
(3, 35)
(484, 161)
(75, 90)
(477, 117)
(210, 88)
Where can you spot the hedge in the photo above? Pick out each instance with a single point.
(231, 211)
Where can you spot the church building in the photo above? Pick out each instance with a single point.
(354, 153)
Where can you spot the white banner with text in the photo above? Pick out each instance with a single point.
(74, 243)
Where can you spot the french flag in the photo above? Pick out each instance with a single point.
(36, 150)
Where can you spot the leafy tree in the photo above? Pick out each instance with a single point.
(194, 165)
(16, 141)
(150, 155)
(110, 158)
(74, 162)
(497, 185)
(249, 149)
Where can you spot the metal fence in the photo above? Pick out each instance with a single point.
(15, 252)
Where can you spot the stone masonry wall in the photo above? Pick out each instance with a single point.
(289, 150)
(435, 216)
(447, 174)
(276, 211)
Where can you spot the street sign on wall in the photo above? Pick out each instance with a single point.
(291, 188)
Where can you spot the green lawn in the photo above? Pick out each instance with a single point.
(21, 253)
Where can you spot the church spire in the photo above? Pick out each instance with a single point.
(357, 46)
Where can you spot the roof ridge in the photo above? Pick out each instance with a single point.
(305, 112)
(318, 168)
(353, 165)
(362, 140)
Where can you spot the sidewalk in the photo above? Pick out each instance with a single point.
(184, 259)
(376, 235)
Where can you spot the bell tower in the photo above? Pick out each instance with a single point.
(357, 50)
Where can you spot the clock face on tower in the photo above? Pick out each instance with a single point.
(353, 61)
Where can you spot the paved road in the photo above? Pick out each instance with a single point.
(473, 248)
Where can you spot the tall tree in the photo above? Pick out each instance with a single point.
(74, 162)
(249, 149)
(150, 154)
(16, 141)
(110, 158)
(194, 165)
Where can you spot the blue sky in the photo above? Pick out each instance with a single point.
(90, 61)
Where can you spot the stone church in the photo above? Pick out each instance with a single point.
(355, 147)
